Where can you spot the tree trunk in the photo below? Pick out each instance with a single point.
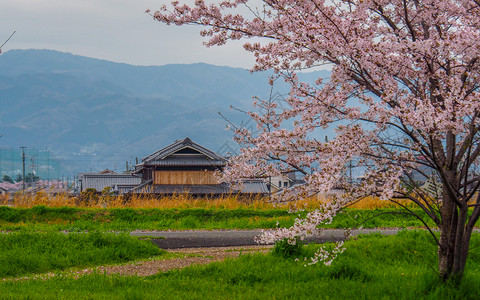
(454, 240)
(447, 237)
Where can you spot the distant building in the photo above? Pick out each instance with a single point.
(281, 182)
(183, 167)
(3, 191)
(284, 181)
(432, 187)
(427, 180)
(187, 167)
(120, 183)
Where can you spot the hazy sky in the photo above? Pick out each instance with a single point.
(116, 30)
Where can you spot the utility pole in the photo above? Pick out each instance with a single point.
(32, 159)
(1, 160)
(48, 165)
(23, 164)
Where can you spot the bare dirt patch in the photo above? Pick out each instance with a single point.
(188, 257)
(191, 256)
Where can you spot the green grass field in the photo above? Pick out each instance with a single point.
(40, 218)
(34, 242)
(372, 267)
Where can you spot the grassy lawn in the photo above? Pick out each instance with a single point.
(372, 267)
(40, 218)
(24, 253)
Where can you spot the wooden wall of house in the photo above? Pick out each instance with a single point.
(184, 177)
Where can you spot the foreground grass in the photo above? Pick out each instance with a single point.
(127, 219)
(379, 218)
(372, 267)
(40, 218)
(25, 253)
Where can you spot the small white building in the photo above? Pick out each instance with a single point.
(120, 183)
(281, 182)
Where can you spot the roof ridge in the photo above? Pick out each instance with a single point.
(179, 145)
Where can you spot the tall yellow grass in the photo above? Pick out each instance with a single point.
(177, 201)
(134, 201)
(376, 203)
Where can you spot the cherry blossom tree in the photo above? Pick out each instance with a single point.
(403, 98)
(6, 41)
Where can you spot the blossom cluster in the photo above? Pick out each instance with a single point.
(327, 257)
(302, 227)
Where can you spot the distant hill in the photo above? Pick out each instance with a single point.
(189, 80)
(93, 109)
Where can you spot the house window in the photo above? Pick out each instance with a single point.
(279, 184)
(285, 184)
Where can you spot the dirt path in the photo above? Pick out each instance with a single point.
(188, 257)
(192, 256)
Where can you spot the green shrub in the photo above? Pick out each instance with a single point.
(9, 214)
(285, 249)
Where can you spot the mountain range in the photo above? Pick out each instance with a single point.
(96, 114)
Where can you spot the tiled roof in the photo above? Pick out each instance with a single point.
(178, 146)
(253, 187)
(187, 160)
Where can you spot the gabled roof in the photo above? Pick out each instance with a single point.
(188, 152)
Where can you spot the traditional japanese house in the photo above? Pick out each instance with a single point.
(182, 167)
(187, 167)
